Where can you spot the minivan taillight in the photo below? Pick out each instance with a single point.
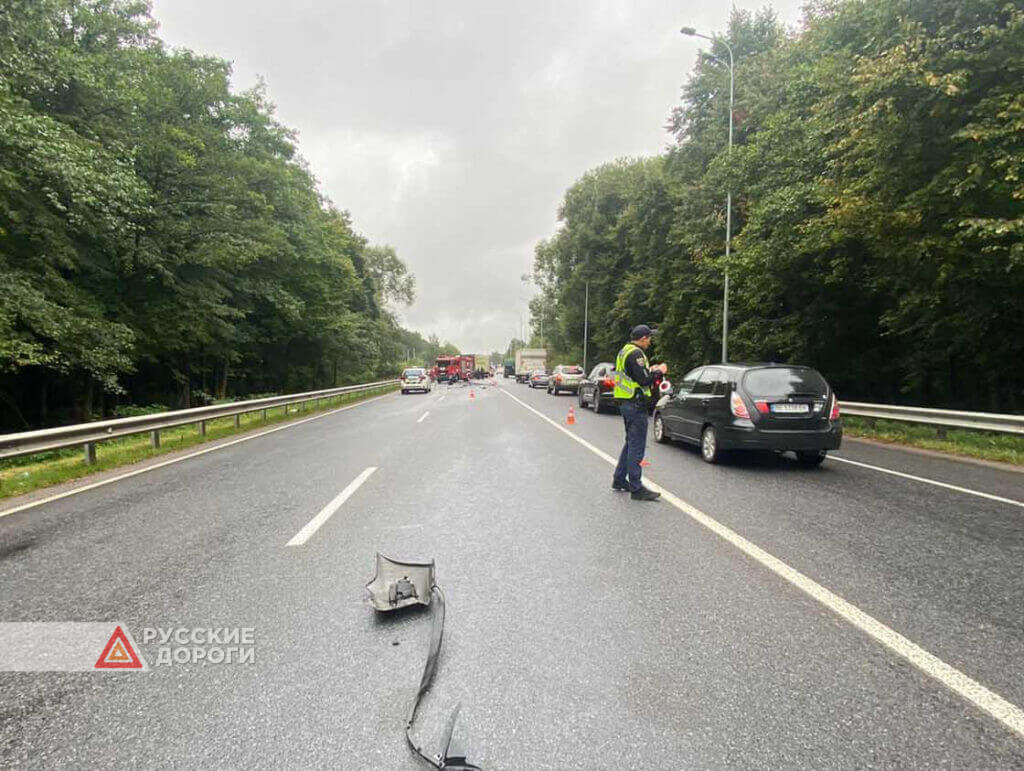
(739, 409)
(834, 415)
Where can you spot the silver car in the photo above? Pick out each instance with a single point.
(538, 379)
(416, 379)
(566, 377)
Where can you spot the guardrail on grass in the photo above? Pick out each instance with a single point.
(88, 434)
(977, 421)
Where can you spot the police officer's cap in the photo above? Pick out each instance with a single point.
(641, 330)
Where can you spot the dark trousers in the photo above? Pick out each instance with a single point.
(628, 472)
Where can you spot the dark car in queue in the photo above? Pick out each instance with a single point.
(538, 379)
(597, 390)
(780, 407)
(565, 377)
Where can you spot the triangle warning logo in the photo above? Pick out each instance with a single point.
(119, 653)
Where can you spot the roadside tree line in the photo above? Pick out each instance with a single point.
(160, 238)
(877, 176)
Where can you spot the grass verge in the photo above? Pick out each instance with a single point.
(1006, 448)
(33, 472)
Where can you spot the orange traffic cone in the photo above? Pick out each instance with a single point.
(571, 419)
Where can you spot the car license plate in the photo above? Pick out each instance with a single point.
(791, 409)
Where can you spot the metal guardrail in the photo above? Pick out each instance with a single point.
(88, 434)
(977, 421)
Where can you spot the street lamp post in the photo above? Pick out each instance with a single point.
(728, 200)
(586, 320)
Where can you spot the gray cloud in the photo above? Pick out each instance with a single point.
(451, 129)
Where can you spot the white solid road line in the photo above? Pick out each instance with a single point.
(935, 482)
(1007, 713)
(119, 477)
(327, 511)
(423, 416)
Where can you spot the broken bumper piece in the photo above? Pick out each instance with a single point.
(398, 585)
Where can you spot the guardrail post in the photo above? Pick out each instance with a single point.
(238, 420)
(286, 410)
(202, 428)
(90, 453)
(264, 416)
(154, 439)
(940, 431)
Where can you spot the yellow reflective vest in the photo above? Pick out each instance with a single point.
(625, 386)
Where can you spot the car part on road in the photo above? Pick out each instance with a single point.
(398, 585)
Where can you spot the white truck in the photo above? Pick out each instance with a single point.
(527, 360)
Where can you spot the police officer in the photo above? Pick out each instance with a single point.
(633, 379)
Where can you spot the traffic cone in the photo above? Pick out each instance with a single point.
(471, 394)
(571, 419)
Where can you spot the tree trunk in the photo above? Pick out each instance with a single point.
(183, 376)
(222, 389)
(87, 402)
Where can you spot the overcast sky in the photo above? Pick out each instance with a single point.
(451, 129)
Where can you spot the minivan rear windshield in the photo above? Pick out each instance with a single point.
(784, 381)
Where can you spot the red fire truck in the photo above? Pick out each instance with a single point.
(451, 369)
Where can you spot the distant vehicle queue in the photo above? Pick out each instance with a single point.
(446, 369)
(717, 407)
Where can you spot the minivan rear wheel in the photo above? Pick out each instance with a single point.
(660, 434)
(811, 459)
(709, 445)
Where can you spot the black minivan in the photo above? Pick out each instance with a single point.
(781, 407)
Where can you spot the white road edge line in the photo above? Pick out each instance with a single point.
(423, 416)
(935, 482)
(136, 472)
(327, 511)
(1007, 713)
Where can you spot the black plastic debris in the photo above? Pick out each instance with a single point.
(398, 585)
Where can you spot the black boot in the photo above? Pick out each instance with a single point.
(643, 494)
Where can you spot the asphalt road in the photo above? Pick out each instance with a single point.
(584, 630)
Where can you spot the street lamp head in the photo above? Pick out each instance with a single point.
(688, 31)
